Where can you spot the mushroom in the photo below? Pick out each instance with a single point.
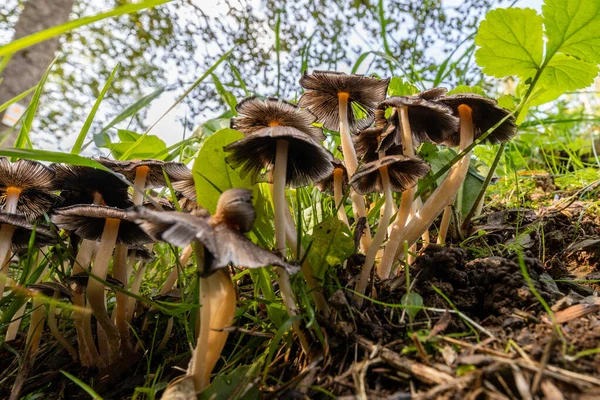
(388, 174)
(413, 117)
(477, 115)
(111, 226)
(295, 158)
(220, 241)
(337, 183)
(333, 98)
(145, 257)
(25, 188)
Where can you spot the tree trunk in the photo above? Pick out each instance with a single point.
(27, 66)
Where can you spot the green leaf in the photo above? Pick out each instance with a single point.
(562, 74)
(226, 385)
(510, 42)
(88, 122)
(413, 301)
(41, 36)
(212, 174)
(51, 156)
(332, 244)
(398, 87)
(225, 94)
(87, 388)
(468, 89)
(16, 98)
(573, 27)
(507, 101)
(148, 147)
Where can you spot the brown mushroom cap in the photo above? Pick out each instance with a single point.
(36, 182)
(78, 185)
(81, 280)
(176, 171)
(371, 141)
(236, 210)
(321, 97)
(404, 172)
(48, 288)
(186, 187)
(307, 160)
(255, 114)
(44, 235)
(326, 185)
(87, 221)
(485, 113)
(429, 121)
(141, 253)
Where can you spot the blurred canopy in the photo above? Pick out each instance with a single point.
(169, 46)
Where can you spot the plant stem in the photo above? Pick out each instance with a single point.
(95, 289)
(279, 204)
(379, 237)
(135, 289)
(338, 195)
(54, 328)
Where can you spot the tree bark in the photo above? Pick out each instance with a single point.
(27, 66)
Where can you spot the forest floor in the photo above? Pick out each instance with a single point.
(494, 324)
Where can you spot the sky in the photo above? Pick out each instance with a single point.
(171, 131)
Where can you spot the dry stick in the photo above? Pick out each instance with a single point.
(351, 160)
(443, 195)
(279, 204)
(338, 195)
(54, 328)
(95, 289)
(406, 201)
(6, 234)
(217, 311)
(379, 237)
(307, 269)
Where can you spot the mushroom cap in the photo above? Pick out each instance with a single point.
(44, 235)
(87, 221)
(141, 253)
(36, 182)
(176, 171)
(79, 184)
(326, 185)
(255, 114)
(404, 173)
(48, 288)
(235, 209)
(371, 141)
(223, 245)
(186, 187)
(429, 121)
(163, 202)
(307, 160)
(321, 97)
(81, 279)
(485, 113)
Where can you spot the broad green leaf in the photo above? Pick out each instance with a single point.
(331, 245)
(468, 89)
(507, 101)
(69, 26)
(573, 27)
(562, 74)
(149, 146)
(212, 174)
(236, 382)
(413, 301)
(398, 87)
(510, 42)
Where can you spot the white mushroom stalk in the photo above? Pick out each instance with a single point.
(6, 234)
(139, 184)
(379, 237)
(279, 205)
(443, 195)
(406, 201)
(338, 195)
(351, 161)
(120, 310)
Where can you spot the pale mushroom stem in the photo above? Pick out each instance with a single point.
(86, 248)
(13, 328)
(279, 204)
(165, 339)
(338, 195)
(440, 198)
(444, 225)
(406, 200)
(351, 160)
(36, 325)
(217, 302)
(120, 311)
(95, 289)
(135, 289)
(139, 184)
(174, 274)
(379, 237)
(417, 205)
(307, 269)
(54, 328)
(6, 234)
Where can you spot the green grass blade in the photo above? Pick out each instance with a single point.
(134, 108)
(82, 385)
(16, 98)
(3, 63)
(51, 156)
(23, 137)
(188, 91)
(88, 122)
(41, 36)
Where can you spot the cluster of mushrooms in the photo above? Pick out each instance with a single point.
(97, 218)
